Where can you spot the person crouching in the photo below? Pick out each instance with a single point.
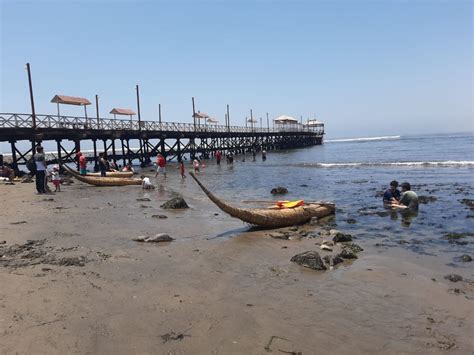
(146, 183)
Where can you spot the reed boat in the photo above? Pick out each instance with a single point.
(102, 181)
(117, 174)
(271, 218)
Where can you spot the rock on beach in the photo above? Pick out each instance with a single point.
(175, 203)
(309, 259)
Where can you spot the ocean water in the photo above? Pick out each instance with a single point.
(353, 173)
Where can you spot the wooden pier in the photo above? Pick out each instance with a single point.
(173, 140)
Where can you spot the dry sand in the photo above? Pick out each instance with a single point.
(217, 289)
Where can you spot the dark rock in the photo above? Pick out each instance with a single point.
(175, 203)
(426, 199)
(144, 199)
(465, 258)
(468, 202)
(354, 247)
(332, 260)
(3, 242)
(351, 221)
(279, 190)
(160, 216)
(310, 259)
(347, 253)
(342, 237)
(453, 277)
(303, 185)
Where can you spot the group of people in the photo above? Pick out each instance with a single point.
(407, 198)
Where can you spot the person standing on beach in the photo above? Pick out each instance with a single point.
(196, 165)
(40, 162)
(181, 169)
(392, 194)
(218, 157)
(161, 162)
(82, 163)
(102, 165)
(264, 155)
(56, 179)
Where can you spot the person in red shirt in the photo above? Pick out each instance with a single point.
(218, 157)
(82, 163)
(161, 162)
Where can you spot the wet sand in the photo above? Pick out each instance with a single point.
(219, 288)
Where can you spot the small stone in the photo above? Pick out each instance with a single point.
(347, 253)
(144, 199)
(158, 238)
(279, 235)
(160, 216)
(309, 259)
(279, 190)
(326, 247)
(342, 237)
(453, 277)
(175, 203)
(354, 247)
(465, 258)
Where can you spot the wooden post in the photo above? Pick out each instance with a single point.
(97, 111)
(268, 124)
(96, 165)
(114, 157)
(228, 119)
(194, 115)
(124, 158)
(14, 159)
(159, 114)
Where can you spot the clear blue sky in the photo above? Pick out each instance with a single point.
(365, 68)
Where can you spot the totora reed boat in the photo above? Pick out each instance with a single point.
(117, 174)
(271, 218)
(102, 181)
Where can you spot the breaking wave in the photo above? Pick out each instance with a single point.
(429, 164)
(362, 139)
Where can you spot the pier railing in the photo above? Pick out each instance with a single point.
(17, 120)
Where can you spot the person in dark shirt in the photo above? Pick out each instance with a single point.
(102, 165)
(392, 194)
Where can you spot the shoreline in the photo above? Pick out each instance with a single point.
(219, 287)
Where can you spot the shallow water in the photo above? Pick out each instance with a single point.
(353, 174)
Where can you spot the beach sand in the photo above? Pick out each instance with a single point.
(218, 288)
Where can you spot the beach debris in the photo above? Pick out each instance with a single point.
(158, 238)
(160, 216)
(326, 247)
(279, 190)
(267, 347)
(340, 237)
(19, 222)
(309, 259)
(144, 199)
(175, 203)
(453, 277)
(426, 199)
(173, 336)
